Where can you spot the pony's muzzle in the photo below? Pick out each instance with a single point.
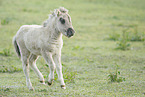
(70, 32)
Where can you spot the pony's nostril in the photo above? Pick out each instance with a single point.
(69, 29)
(70, 32)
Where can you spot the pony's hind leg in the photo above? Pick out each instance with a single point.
(24, 58)
(32, 62)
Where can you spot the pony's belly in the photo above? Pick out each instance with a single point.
(35, 51)
(32, 47)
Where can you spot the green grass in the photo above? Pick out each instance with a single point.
(88, 58)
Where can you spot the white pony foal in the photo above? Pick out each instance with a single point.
(34, 40)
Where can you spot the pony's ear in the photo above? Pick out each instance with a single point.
(63, 10)
(58, 13)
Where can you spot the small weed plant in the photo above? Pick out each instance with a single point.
(136, 35)
(126, 37)
(123, 44)
(6, 52)
(113, 36)
(115, 76)
(9, 69)
(5, 21)
(68, 74)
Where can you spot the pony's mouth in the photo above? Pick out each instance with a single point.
(69, 35)
(70, 32)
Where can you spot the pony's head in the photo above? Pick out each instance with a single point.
(63, 22)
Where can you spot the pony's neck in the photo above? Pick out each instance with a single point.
(53, 32)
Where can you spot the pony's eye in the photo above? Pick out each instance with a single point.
(62, 20)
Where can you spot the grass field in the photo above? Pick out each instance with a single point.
(106, 57)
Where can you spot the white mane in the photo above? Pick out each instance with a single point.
(54, 14)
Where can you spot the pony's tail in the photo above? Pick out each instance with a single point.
(16, 47)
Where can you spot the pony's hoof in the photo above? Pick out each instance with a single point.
(42, 82)
(31, 89)
(49, 83)
(63, 87)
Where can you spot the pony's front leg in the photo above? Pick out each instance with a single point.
(57, 60)
(48, 58)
